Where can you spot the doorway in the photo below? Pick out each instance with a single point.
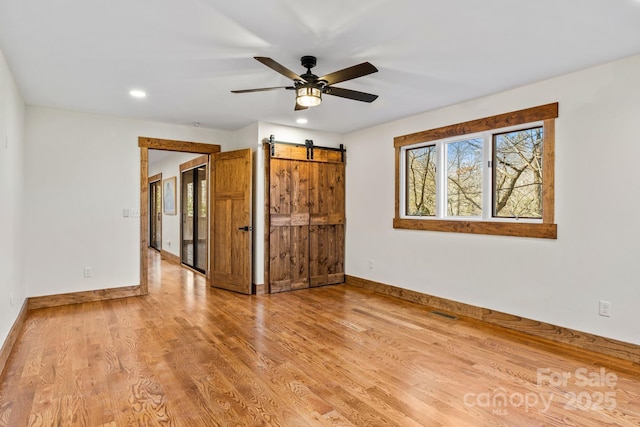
(195, 214)
(155, 212)
(226, 173)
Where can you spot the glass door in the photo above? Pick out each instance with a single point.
(201, 234)
(194, 218)
(155, 215)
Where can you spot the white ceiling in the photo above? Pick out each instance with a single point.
(188, 55)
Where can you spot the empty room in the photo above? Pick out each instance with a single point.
(282, 213)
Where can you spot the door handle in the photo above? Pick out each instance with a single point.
(246, 228)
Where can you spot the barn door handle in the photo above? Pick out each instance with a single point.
(246, 228)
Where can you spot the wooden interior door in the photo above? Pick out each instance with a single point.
(289, 227)
(326, 223)
(155, 212)
(232, 230)
(306, 217)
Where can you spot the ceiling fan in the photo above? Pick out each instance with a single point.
(309, 87)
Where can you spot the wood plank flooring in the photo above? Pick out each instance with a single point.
(188, 355)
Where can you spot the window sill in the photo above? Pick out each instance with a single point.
(535, 230)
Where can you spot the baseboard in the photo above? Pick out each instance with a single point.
(260, 289)
(577, 339)
(169, 257)
(11, 339)
(81, 297)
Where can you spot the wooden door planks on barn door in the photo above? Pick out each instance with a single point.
(289, 225)
(327, 220)
(306, 217)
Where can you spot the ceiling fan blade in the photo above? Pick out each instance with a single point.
(262, 89)
(349, 73)
(279, 68)
(351, 94)
(299, 107)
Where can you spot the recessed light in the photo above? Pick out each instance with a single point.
(302, 121)
(138, 93)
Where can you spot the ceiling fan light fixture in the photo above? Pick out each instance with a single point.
(308, 96)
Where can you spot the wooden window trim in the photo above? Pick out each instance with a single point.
(547, 229)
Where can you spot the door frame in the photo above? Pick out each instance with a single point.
(151, 180)
(190, 166)
(145, 144)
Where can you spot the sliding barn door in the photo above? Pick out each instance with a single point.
(231, 259)
(289, 230)
(326, 225)
(306, 217)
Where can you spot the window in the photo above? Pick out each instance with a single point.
(464, 178)
(489, 176)
(517, 174)
(421, 181)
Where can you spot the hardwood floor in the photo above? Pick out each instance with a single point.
(188, 355)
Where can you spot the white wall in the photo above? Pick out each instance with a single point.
(83, 169)
(170, 167)
(12, 289)
(597, 196)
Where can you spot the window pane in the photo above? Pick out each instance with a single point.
(421, 181)
(190, 199)
(464, 178)
(518, 174)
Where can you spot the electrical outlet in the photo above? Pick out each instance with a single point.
(87, 272)
(135, 213)
(605, 308)
(370, 264)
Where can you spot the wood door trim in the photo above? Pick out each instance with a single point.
(144, 221)
(192, 164)
(267, 217)
(146, 143)
(180, 146)
(154, 178)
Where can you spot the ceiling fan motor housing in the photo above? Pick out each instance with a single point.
(308, 61)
